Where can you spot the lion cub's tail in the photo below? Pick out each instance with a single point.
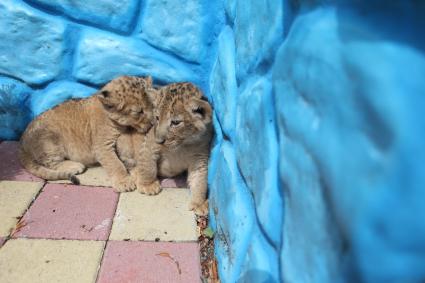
(39, 170)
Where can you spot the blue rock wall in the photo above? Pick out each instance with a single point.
(316, 171)
(51, 51)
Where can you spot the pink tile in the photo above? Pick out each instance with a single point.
(149, 262)
(177, 182)
(10, 167)
(70, 212)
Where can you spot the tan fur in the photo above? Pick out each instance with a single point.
(62, 141)
(180, 141)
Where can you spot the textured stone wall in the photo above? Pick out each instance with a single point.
(316, 171)
(51, 51)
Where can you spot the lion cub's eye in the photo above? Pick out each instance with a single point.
(175, 122)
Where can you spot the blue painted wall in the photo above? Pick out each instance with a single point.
(316, 171)
(51, 51)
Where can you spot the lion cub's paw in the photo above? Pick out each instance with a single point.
(151, 189)
(200, 208)
(124, 185)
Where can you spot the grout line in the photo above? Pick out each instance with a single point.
(101, 260)
(113, 216)
(50, 239)
(89, 240)
(107, 238)
(9, 236)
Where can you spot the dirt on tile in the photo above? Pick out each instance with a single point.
(206, 243)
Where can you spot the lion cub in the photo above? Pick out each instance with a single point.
(180, 141)
(62, 141)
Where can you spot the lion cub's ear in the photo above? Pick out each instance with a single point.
(153, 95)
(149, 81)
(103, 95)
(146, 82)
(200, 109)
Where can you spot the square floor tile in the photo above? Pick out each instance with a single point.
(10, 167)
(25, 260)
(15, 197)
(70, 212)
(163, 217)
(96, 176)
(150, 262)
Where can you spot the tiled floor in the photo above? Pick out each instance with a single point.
(57, 232)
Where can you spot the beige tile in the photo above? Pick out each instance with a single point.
(164, 216)
(15, 197)
(95, 176)
(25, 260)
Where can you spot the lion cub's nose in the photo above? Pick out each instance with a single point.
(159, 140)
(160, 135)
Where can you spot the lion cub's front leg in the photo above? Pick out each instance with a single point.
(198, 184)
(145, 173)
(121, 180)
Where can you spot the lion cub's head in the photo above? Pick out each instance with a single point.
(182, 116)
(128, 102)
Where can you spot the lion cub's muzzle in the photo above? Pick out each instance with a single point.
(159, 140)
(160, 137)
